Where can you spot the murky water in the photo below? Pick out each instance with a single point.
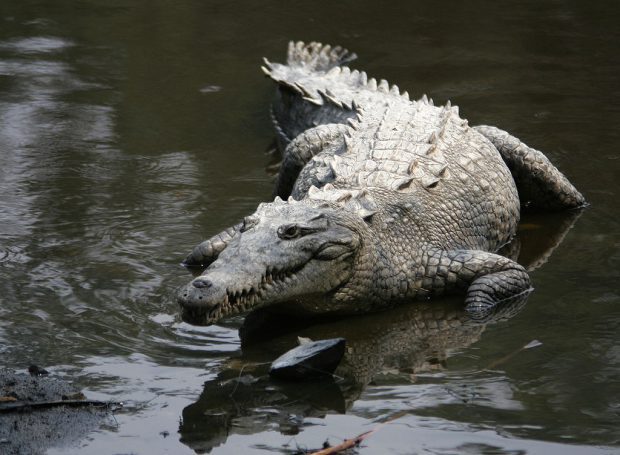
(130, 131)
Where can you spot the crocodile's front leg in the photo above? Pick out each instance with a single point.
(540, 184)
(489, 279)
(207, 252)
(302, 149)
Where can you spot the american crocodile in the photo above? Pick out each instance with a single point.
(389, 199)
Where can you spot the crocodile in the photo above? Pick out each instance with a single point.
(379, 199)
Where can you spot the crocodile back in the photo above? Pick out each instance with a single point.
(423, 158)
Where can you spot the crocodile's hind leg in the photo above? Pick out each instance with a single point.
(490, 280)
(302, 149)
(540, 184)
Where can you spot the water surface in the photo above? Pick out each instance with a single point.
(130, 131)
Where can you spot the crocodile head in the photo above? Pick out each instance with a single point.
(285, 252)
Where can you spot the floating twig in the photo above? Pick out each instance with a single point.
(356, 441)
(530, 345)
(346, 444)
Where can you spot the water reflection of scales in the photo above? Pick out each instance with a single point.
(395, 345)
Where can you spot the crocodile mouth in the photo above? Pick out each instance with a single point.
(238, 300)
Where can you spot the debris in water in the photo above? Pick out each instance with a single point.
(37, 371)
(530, 345)
(309, 360)
(210, 89)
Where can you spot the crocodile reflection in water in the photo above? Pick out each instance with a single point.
(410, 339)
(405, 341)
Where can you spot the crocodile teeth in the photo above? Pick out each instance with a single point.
(241, 300)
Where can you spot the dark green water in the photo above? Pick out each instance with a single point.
(130, 131)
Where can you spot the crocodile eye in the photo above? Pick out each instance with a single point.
(289, 231)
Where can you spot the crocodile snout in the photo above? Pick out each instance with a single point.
(201, 292)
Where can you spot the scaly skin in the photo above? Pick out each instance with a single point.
(391, 199)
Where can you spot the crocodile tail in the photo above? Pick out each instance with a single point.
(316, 56)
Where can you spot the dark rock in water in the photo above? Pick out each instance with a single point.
(37, 371)
(310, 360)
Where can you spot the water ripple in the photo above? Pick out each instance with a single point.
(12, 254)
(36, 45)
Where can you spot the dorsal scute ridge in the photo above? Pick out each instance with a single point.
(303, 90)
(401, 183)
(317, 56)
(329, 97)
(314, 67)
(293, 87)
(341, 167)
(390, 142)
(449, 110)
(315, 101)
(363, 78)
(357, 201)
(353, 123)
(348, 141)
(335, 71)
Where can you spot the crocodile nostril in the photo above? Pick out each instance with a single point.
(201, 284)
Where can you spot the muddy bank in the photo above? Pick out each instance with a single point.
(39, 412)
